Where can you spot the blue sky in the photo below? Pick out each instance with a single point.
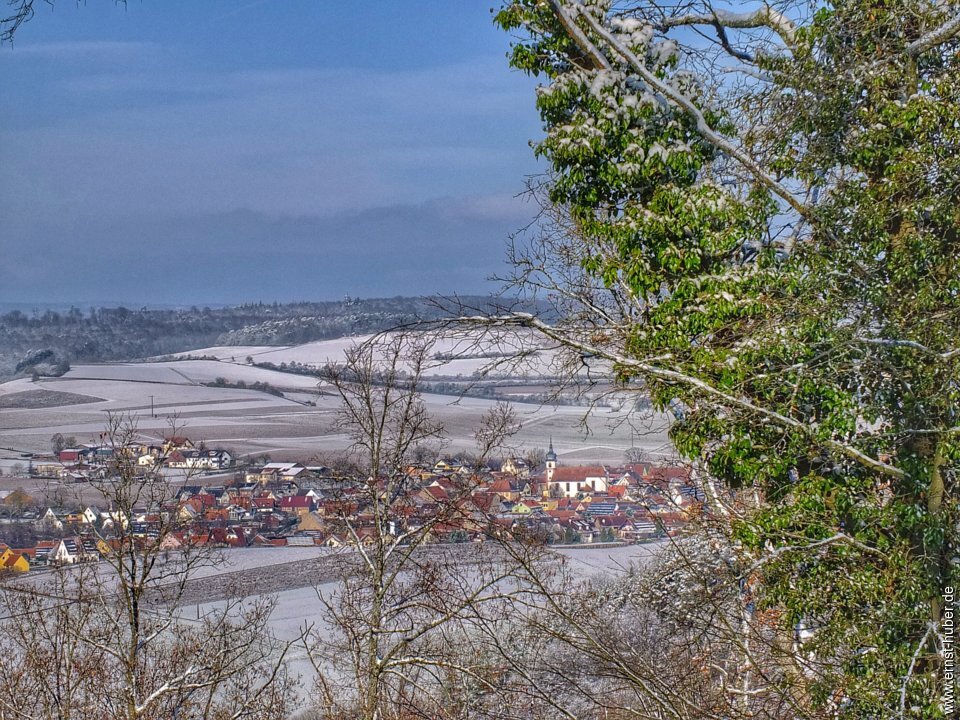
(222, 151)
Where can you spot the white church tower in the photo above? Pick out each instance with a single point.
(551, 461)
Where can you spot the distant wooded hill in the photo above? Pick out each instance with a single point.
(104, 334)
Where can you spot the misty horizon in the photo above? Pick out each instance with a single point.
(220, 154)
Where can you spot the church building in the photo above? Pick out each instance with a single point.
(573, 481)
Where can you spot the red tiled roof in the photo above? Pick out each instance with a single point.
(296, 501)
(577, 474)
(501, 485)
(202, 502)
(617, 521)
(437, 492)
(11, 560)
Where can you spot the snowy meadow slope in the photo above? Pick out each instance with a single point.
(300, 423)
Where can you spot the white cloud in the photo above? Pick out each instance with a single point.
(95, 50)
(288, 141)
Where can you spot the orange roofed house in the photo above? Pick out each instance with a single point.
(12, 561)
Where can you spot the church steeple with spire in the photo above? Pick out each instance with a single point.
(551, 461)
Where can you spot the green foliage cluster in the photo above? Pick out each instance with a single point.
(809, 351)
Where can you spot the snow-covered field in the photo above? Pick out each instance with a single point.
(189, 372)
(299, 609)
(239, 559)
(301, 425)
(582, 559)
(447, 347)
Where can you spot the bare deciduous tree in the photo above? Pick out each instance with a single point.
(384, 654)
(111, 639)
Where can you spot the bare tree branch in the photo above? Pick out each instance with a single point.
(647, 368)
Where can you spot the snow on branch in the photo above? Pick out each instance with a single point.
(579, 37)
(672, 96)
(931, 630)
(934, 38)
(764, 17)
(838, 538)
(667, 375)
(912, 344)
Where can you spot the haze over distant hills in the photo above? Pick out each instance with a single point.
(45, 338)
(86, 306)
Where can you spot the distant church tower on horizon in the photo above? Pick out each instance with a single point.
(550, 460)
